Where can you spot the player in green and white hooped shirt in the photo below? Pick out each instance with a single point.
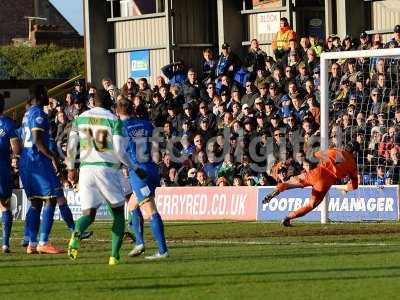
(98, 133)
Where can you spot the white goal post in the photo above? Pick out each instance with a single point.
(324, 90)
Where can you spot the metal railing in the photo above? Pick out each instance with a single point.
(17, 112)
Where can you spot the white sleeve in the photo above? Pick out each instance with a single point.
(120, 145)
(72, 148)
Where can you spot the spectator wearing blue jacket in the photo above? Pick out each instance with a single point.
(228, 62)
(175, 73)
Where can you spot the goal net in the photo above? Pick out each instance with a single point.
(359, 102)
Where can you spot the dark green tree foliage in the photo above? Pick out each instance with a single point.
(42, 62)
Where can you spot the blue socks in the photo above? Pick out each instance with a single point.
(157, 227)
(47, 223)
(66, 215)
(137, 225)
(33, 223)
(7, 219)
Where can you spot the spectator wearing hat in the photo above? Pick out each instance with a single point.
(259, 105)
(274, 93)
(302, 77)
(205, 113)
(364, 41)
(204, 129)
(276, 121)
(173, 116)
(189, 115)
(255, 59)
(280, 43)
(246, 112)
(270, 109)
(79, 89)
(261, 125)
(208, 93)
(250, 95)
(395, 40)
(228, 62)
(291, 52)
(285, 106)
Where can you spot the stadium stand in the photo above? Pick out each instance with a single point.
(255, 120)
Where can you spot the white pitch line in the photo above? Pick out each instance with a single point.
(232, 242)
(253, 243)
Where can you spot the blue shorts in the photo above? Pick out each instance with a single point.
(146, 188)
(39, 179)
(5, 182)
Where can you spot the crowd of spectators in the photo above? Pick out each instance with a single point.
(255, 120)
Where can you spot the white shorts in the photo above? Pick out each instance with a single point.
(98, 185)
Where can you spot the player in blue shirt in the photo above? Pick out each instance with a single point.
(8, 142)
(38, 172)
(139, 132)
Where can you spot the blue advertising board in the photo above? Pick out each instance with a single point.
(140, 64)
(365, 203)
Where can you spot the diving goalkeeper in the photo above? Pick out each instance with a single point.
(334, 165)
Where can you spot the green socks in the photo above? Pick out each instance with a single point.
(118, 230)
(83, 223)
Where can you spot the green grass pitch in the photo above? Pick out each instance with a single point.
(217, 260)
